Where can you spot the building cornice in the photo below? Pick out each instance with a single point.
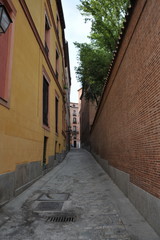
(54, 25)
(60, 10)
(10, 7)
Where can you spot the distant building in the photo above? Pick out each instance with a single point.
(87, 113)
(75, 125)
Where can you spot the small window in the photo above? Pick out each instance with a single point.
(57, 63)
(74, 128)
(57, 27)
(47, 25)
(74, 120)
(74, 112)
(47, 35)
(45, 101)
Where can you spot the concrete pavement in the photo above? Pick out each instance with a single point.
(77, 188)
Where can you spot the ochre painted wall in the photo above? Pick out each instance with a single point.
(21, 128)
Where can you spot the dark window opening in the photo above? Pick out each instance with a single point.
(44, 151)
(47, 26)
(46, 49)
(74, 113)
(74, 120)
(57, 25)
(75, 144)
(57, 63)
(47, 35)
(45, 101)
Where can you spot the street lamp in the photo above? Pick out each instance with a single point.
(5, 19)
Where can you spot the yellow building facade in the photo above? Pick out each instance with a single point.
(32, 106)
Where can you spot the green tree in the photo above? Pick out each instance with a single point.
(106, 18)
(92, 69)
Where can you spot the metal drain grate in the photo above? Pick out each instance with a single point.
(62, 218)
(48, 206)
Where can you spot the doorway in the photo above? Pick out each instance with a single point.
(44, 150)
(75, 144)
(55, 150)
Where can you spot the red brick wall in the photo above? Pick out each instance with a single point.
(87, 114)
(84, 122)
(126, 130)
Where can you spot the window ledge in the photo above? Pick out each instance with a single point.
(4, 103)
(46, 128)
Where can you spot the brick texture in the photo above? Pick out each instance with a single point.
(87, 114)
(126, 129)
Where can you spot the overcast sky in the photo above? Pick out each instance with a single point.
(76, 31)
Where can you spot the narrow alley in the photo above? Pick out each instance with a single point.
(76, 200)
